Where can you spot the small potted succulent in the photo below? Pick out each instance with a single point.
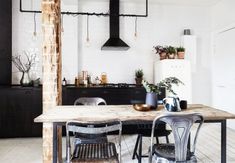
(171, 52)
(154, 90)
(162, 51)
(139, 76)
(180, 52)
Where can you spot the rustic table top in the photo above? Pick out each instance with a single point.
(123, 112)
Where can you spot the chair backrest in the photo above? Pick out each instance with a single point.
(90, 101)
(180, 124)
(97, 127)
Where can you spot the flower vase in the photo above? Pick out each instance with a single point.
(25, 79)
(151, 99)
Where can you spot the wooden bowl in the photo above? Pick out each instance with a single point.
(142, 107)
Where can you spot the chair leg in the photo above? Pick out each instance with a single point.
(167, 139)
(157, 140)
(135, 149)
(140, 150)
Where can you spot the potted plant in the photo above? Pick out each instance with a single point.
(180, 52)
(139, 76)
(24, 63)
(154, 90)
(171, 52)
(161, 51)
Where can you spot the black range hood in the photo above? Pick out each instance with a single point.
(114, 42)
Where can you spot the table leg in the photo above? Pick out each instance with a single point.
(223, 141)
(55, 142)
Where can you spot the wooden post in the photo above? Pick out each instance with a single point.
(52, 86)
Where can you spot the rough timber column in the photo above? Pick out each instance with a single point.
(52, 87)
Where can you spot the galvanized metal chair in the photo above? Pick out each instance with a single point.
(85, 138)
(90, 101)
(181, 125)
(93, 152)
(144, 130)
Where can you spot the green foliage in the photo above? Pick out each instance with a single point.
(160, 49)
(167, 83)
(139, 73)
(180, 49)
(171, 50)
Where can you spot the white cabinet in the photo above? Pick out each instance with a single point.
(189, 42)
(178, 68)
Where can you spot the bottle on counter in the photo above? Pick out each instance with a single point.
(97, 80)
(76, 81)
(64, 82)
(89, 80)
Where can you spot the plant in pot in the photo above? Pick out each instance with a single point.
(24, 63)
(154, 90)
(139, 76)
(180, 52)
(171, 52)
(162, 51)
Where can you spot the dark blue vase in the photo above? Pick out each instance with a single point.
(151, 99)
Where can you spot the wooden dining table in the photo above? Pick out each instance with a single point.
(59, 115)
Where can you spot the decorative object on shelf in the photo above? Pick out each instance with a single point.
(187, 32)
(24, 63)
(162, 51)
(142, 107)
(154, 90)
(180, 52)
(171, 52)
(104, 79)
(36, 82)
(64, 82)
(139, 76)
(25, 79)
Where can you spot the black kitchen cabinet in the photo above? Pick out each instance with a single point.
(19, 106)
(5, 41)
(112, 96)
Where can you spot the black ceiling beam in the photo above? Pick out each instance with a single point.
(88, 13)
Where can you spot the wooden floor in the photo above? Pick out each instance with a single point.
(29, 150)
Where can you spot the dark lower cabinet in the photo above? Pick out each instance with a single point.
(20, 105)
(112, 96)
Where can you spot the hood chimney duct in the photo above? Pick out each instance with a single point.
(114, 42)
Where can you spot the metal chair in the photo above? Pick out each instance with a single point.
(90, 101)
(85, 138)
(144, 130)
(93, 152)
(180, 151)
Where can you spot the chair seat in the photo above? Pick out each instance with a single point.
(167, 151)
(100, 152)
(157, 133)
(90, 138)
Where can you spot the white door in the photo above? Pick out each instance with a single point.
(223, 78)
